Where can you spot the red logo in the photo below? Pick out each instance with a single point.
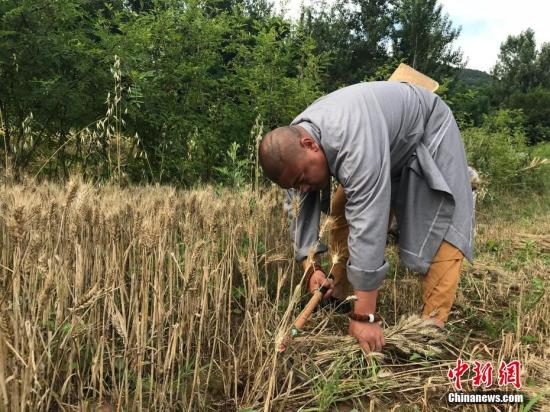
(508, 373)
(456, 373)
(483, 374)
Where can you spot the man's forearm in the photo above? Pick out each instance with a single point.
(366, 301)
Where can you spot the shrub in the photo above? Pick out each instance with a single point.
(499, 151)
(536, 106)
(541, 174)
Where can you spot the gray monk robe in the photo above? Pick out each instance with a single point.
(389, 144)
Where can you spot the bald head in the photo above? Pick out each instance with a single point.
(278, 149)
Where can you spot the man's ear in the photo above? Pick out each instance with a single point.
(308, 143)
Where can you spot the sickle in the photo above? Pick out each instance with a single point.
(304, 315)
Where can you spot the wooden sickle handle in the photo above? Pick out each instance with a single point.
(308, 310)
(305, 314)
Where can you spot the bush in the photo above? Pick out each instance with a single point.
(541, 174)
(536, 107)
(190, 79)
(499, 151)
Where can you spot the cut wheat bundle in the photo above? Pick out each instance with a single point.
(409, 335)
(323, 358)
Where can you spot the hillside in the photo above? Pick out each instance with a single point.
(474, 79)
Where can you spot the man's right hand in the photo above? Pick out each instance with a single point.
(319, 279)
(369, 335)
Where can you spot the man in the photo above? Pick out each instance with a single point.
(390, 145)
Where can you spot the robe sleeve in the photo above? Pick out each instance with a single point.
(365, 175)
(304, 226)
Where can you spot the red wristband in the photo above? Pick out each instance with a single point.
(365, 318)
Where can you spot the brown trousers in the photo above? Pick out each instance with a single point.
(439, 284)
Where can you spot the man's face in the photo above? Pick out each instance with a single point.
(309, 172)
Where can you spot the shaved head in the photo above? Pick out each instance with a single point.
(279, 149)
(290, 157)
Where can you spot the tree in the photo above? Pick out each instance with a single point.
(515, 69)
(203, 75)
(50, 72)
(535, 105)
(522, 81)
(423, 37)
(542, 65)
(372, 25)
(352, 34)
(361, 36)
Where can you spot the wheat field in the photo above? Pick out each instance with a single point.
(157, 299)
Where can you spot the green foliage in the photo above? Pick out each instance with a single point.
(474, 79)
(522, 81)
(235, 171)
(499, 151)
(328, 391)
(468, 96)
(362, 37)
(384, 71)
(535, 294)
(423, 36)
(50, 71)
(192, 77)
(515, 61)
(529, 406)
(469, 106)
(535, 104)
(541, 150)
(495, 150)
(352, 34)
(541, 174)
